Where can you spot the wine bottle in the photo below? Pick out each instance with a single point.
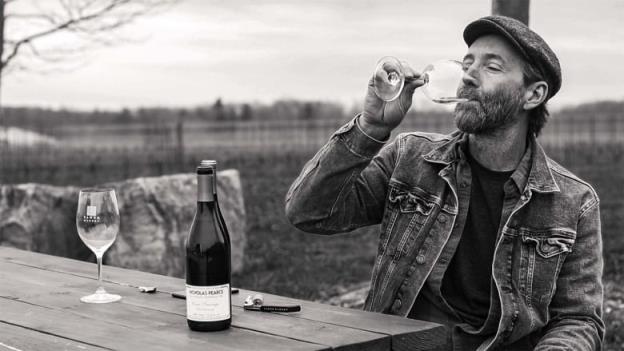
(208, 260)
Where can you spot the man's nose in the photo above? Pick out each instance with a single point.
(471, 76)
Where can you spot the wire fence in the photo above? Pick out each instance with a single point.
(82, 154)
(297, 133)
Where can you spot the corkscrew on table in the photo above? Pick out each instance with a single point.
(256, 303)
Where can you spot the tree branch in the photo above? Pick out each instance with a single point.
(78, 19)
(36, 16)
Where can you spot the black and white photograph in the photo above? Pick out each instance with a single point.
(312, 175)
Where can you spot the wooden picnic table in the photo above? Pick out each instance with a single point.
(40, 309)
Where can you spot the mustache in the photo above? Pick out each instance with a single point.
(468, 93)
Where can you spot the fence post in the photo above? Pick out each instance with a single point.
(518, 9)
(180, 143)
(592, 129)
(613, 124)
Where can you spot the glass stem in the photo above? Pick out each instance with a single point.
(99, 264)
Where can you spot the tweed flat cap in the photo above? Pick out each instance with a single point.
(534, 49)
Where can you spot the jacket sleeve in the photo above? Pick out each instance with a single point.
(344, 186)
(576, 309)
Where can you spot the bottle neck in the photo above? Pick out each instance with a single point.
(206, 189)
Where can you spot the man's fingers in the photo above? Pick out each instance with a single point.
(412, 84)
(409, 72)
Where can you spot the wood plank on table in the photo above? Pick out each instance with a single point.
(104, 334)
(143, 311)
(406, 334)
(14, 337)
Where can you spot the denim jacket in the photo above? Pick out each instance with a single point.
(547, 266)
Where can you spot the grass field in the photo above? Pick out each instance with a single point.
(283, 260)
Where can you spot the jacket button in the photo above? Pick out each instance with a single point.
(420, 259)
(523, 198)
(442, 218)
(463, 185)
(397, 304)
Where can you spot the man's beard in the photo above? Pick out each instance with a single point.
(489, 112)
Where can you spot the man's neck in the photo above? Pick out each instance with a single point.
(501, 150)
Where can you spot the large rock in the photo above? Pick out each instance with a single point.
(156, 214)
(41, 218)
(352, 297)
(156, 217)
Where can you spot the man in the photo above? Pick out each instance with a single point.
(480, 230)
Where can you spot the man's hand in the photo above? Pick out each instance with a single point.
(380, 117)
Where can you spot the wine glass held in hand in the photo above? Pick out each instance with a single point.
(442, 79)
(97, 221)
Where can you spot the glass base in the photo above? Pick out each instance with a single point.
(100, 296)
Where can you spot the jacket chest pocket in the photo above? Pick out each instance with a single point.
(542, 255)
(407, 213)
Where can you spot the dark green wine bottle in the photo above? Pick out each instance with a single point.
(208, 259)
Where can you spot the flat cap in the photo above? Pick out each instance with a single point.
(534, 49)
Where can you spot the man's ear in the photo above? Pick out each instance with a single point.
(535, 94)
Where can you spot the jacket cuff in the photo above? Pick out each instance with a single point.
(358, 142)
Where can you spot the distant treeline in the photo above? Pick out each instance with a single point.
(41, 118)
(218, 111)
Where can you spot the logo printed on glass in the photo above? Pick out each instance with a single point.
(91, 216)
(91, 210)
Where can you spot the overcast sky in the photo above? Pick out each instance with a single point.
(246, 50)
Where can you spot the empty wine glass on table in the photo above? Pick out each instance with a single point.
(442, 79)
(97, 221)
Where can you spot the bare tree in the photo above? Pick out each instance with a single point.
(36, 35)
(77, 25)
(43, 35)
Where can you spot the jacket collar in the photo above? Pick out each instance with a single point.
(447, 153)
(541, 178)
(532, 173)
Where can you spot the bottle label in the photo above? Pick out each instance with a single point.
(208, 303)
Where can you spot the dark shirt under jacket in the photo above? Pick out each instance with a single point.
(466, 283)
